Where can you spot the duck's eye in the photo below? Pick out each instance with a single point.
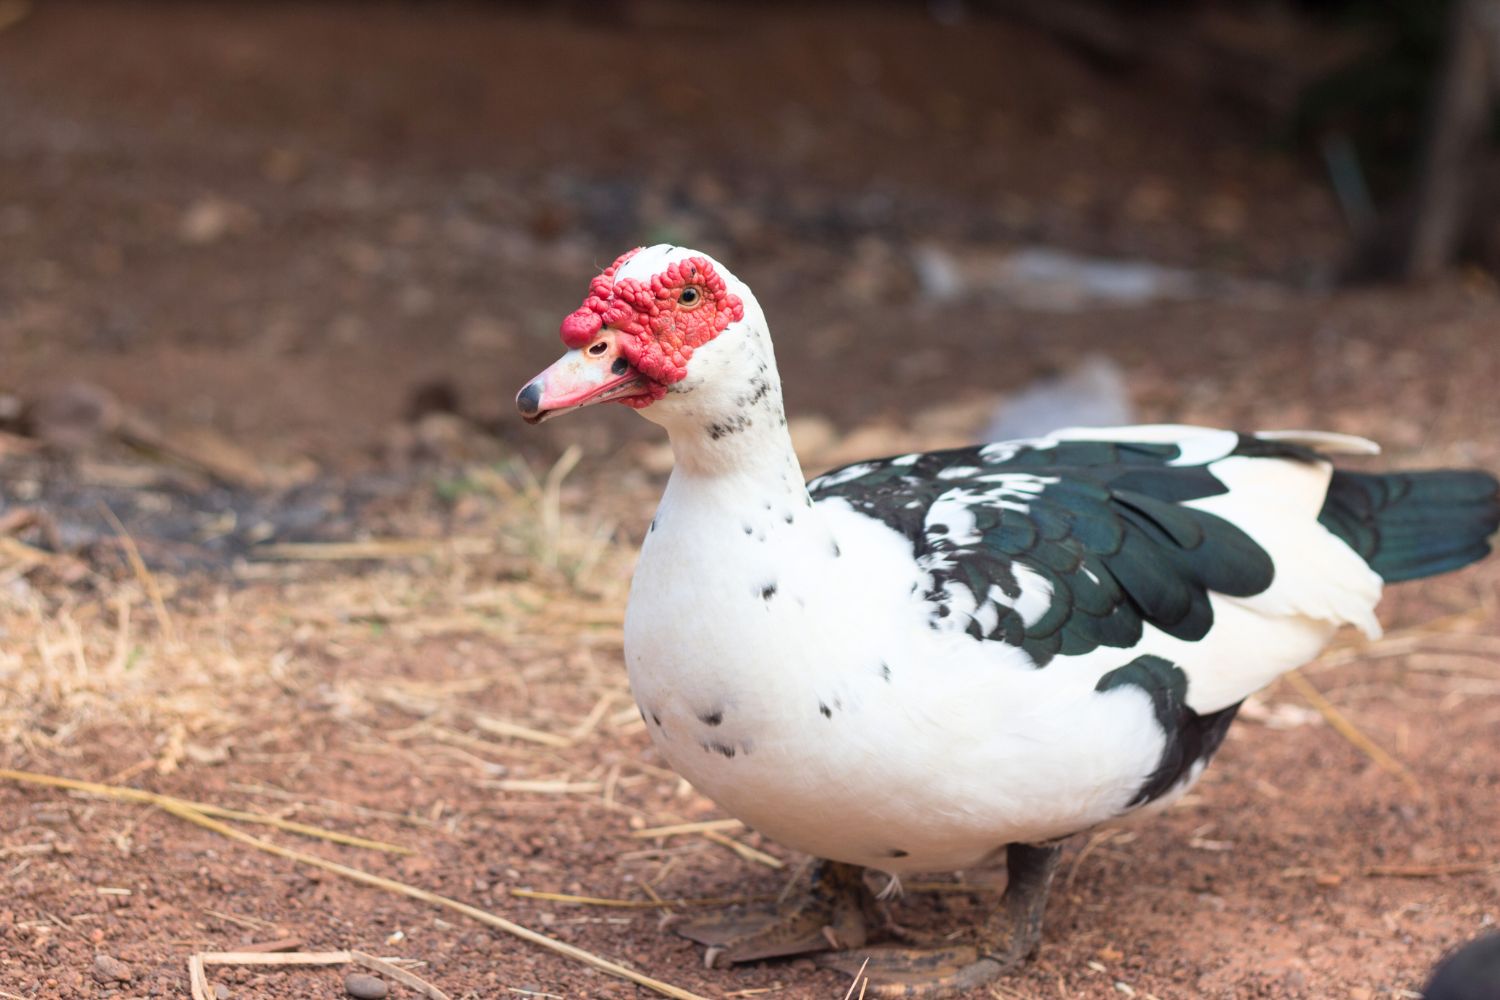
(690, 297)
(598, 347)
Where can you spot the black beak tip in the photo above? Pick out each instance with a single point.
(529, 399)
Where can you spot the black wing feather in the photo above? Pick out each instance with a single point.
(1101, 522)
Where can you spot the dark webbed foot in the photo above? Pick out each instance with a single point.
(829, 915)
(1009, 937)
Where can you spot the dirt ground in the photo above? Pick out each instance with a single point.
(270, 276)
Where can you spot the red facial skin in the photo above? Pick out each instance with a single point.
(657, 332)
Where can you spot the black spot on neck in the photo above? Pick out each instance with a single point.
(788, 517)
(885, 672)
(712, 718)
(838, 552)
(897, 852)
(748, 530)
(653, 526)
(768, 591)
(759, 388)
(827, 712)
(723, 428)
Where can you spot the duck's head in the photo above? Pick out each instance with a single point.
(660, 326)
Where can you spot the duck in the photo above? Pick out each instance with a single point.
(933, 662)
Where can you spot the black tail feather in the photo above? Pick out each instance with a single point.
(1408, 525)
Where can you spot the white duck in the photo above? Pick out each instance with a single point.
(919, 663)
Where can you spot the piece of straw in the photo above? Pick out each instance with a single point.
(198, 962)
(138, 567)
(1352, 733)
(702, 826)
(635, 904)
(401, 888)
(128, 794)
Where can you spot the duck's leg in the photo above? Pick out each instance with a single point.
(831, 914)
(1009, 937)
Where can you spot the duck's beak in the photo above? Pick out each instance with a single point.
(582, 377)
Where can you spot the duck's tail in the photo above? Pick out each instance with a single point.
(1408, 525)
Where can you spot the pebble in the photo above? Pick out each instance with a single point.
(221, 992)
(363, 987)
(108, 969)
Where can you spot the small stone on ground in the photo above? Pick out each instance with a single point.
(364, 987)
(108, 969)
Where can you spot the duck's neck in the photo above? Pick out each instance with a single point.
(747, 453)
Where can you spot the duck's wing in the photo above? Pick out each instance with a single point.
(1082, 540)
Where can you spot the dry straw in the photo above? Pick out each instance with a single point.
(191, 813)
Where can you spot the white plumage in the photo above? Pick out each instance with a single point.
(911, 663)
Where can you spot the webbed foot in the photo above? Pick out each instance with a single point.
(1009, 938)
(829, 915)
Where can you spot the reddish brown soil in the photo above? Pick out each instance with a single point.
(279, 221)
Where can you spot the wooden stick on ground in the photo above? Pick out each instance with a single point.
(127, 794)
(413, 892)
(138, 567)
(198, 975)
(1352, 733)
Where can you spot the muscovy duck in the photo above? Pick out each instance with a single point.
(925, 662)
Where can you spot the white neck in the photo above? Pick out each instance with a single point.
(726, 420)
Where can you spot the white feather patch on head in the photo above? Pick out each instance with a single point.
(651, 261)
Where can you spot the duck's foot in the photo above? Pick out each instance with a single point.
(829, 915)
(1010, 937)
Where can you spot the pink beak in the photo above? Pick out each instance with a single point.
(579, 378)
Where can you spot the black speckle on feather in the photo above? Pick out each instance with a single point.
(897, 852)
(760, 386)
(723, 428)
(768, 591)
(713, 718)
(724, 749)
(885, 672)
(827, 712)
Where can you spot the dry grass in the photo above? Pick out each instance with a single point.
(84, 653)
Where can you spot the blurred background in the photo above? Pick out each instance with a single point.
(301, 227)
(272, 273)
